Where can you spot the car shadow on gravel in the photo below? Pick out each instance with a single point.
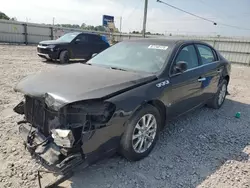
(189, 150)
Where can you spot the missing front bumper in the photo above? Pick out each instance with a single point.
(49, 154)
(37, 144)
(47, 151)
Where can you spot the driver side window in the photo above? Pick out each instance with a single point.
(189, 55)
(82, 38)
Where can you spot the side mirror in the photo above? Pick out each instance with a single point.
(77, 41)
(180, 67)
(93, 55)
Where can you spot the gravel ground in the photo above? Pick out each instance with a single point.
(206, 148)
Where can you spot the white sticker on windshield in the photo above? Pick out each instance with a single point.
(158, 47)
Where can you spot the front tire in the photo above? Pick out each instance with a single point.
(217, 101)
(64, 57)
(141, 133)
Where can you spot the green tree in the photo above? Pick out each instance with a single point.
(69, 25)
(90, 27)
(136, 32)
(100, 28)
(83, 26)
(13, 19)
(76, 26)
(4, 16)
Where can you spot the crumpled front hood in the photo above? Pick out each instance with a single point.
(81, 82)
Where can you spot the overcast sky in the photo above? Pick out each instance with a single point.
(160, 17)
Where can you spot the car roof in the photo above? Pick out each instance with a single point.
(168, 41)
(88, 33)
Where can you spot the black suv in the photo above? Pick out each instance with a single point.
(74, 45)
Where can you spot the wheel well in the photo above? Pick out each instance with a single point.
(227, 78)
(63, 51)
(162, 109)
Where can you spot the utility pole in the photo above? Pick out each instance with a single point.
(120, 24)
(53, 22)
(145, 18)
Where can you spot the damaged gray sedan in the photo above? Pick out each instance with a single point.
(118, 101)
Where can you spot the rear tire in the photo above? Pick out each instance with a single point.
(64, 57)
(217, 101)
(138, 140)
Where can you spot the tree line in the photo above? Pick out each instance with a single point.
(82, 26)
(147, 33)
(75, 26)
(5, 17)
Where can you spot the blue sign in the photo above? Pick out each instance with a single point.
(106, 19)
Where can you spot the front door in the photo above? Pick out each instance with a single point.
(184, 91)
(80, 47)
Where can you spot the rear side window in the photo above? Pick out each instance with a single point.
(95, 39)
(206, 53)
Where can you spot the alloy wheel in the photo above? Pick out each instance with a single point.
(144, 133)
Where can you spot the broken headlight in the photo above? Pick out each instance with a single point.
(63, 138)
(53, 101)
(96, 112)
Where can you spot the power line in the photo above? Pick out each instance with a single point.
(133, 10)
(137, 5)
(227, 25)
(123, 8)
(220, 11)
(204, 3)
(234, 26)
(215, 23)
(159, 1)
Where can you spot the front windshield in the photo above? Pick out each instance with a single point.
(134, 56)
(67, 37)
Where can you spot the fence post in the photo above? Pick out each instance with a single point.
(249, 59)
(25, 34)
(214, 43)
(51, 33)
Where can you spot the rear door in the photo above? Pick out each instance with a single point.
(184, 92)
(96, 44)
(212, 70)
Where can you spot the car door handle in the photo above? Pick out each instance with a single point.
(201, 79)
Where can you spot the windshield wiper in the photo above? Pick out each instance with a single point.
(116, 68)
